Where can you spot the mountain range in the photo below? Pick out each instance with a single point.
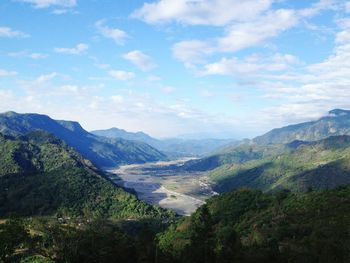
(101, 151)
(172, 147)
(274, 142)
(41, 175)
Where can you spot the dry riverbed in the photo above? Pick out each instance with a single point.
(162, 184)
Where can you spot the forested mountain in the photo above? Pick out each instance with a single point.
(103, 152)
(250, 226)
(336, 123)
(174, 147)
(276, 141)
(317, 165)
(41, 175)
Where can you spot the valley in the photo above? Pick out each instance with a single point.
(160, 183)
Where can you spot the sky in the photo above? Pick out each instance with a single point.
(226, 68)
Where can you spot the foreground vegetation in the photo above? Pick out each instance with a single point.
(241, 226)
(250, 226)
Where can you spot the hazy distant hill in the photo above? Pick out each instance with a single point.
(101, 151)
(336, 123)
(317, 165)
(275, 141)
(175, 147)
(41, 175)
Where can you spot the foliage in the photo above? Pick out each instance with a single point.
(250, 226)
(40, 175)
(336, 123)
(316, 165)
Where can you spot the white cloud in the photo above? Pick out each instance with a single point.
(8, 32)
(121, 74)
(141, 60)
(256, 32)
(49, 3)
(117, 35)
(27, 54)
(251, 65)
(192, 51)
(77, 50)
(45, 78)
(6, 73)
(205, 12)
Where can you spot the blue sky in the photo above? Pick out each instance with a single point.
(169, 67)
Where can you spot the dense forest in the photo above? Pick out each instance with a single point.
(240, 226)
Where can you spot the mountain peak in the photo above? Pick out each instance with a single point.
(339, 112)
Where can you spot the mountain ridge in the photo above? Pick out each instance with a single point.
(101, 151)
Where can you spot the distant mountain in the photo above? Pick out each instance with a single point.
(103, 152)
(174, 147)
(276, 141)
(311, 165)
(41, 175)
(123, 134)
(235, 154)
(336, 123)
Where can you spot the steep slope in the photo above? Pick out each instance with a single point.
(236, 154)
(101, 151)
(174, 147)
(272, 143)
(249, 226)
(336, 123)
(40, 175)
(317, 165)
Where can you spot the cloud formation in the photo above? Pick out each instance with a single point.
(77, 50)
(117, 35)
(7, 32)
(121, 74)
(49, 3)
(206, 12)
(140, 59)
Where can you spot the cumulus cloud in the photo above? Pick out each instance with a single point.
(122, 75)
(116, 34)
(140, 59)
(49, 3)
(192, 51)
(253, 33)
(251, 65)
(7, 32)
(77, 50)
(205, 12)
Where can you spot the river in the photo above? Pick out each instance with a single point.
(162, 184)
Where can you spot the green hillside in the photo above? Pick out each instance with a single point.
(249, 226)
(40, 175)
(336, 123)
(317, 165)
(101, 151)
(236, 154)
